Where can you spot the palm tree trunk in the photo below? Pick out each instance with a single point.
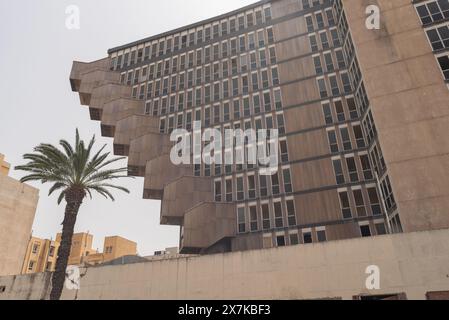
(74, 199)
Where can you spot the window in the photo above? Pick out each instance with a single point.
(241, 220)
(31, 265)
(352, 169)
(240, 192)
(324, 40)
(294, 239)
(266, 223)
(287, 181)
(322, 88)
(307, 237)
(334, 85)
(444, 65)
(345, 207)
(365, 231)
(275, 183)
(321, 235)
(291, 214)
(278, 219)
(229, 190)
(280, 240)
(339, 176)
(374, 201)
(439, 37)
(251, 187)
(36, 247)
(253, 218)
(380, 228)
(366, 167)
(327, 113)
(263, 185)
(284, 151)
(433, 11)
(313, 43)
(309, 23)
(346, 139)
(318, 66)
(359, 203)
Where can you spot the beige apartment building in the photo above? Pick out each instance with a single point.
(41, 254)
(362, 115)
(18, 204)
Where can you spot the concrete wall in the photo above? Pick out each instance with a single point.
(18, 204)
(414, 263)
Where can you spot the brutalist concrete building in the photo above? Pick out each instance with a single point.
(362, 114)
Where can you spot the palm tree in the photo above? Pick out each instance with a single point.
(75, 173)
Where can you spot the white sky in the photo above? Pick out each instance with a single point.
(37, 104)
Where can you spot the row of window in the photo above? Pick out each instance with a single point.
(210, 54)
(252, 185)
(316, 20)
(352, 168)
(433, 11)
(190, 38)
(234, 109)
(210, 116)
(217, 90)
(334, 85)
(359, 202)
(317, 234)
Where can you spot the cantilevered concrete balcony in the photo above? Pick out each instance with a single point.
(159, 172)
(130, 128)
(206, 225)
(104, 94)
(145, 148)
(183, 194)
(93, 79)
(119, 109)
(79, 68)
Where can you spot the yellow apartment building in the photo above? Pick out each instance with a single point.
(41, 254)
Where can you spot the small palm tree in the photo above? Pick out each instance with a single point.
(75, 173)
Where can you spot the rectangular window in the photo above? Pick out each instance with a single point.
(359, 203)
(253, 218)
(278, 218)
(241, 220)
(345, 206)
(338, 169)
(266, 222)
(291, 213)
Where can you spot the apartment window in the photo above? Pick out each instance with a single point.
(338, 169)
(439, 37)
(291, 213)
(352, 169)
(280, 241)
(318, 66)
(218, 191)
(226, 113)
(328, 118)
(444, 65)
(334, 85)
(329, 62)
(322, 88)
(263, 58)
(253, 218)
(275, 76)
(284, 151)
(374, 201)
(287, 180)
(346, 82)
(275, 183)
(277, 99)
(267, 12)
(358, 134)
(333, 144)
(319, 20)
(345, 206)
(294, 239)
(35, 248)
(387, 192)
(261, 38)
(433, 11)
(31, 265)
(229, 190)
(263, 185)
(324, 40)
(241, 220)
(240, 192)
(366, 167)
(307, 237)
(321, 235)
(313, 43)
(266, 222)
(380, 228)
(278, 218)
(162, 125)
(309, 23)
(253, 60)
(340, 59)
(346, 139)
(365, 231)
(353, 113)
(272, 52)
(359, 203)
(256, 103)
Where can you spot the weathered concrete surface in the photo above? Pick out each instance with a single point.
(414, 263)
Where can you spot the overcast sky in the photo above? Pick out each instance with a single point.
(37, 104)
